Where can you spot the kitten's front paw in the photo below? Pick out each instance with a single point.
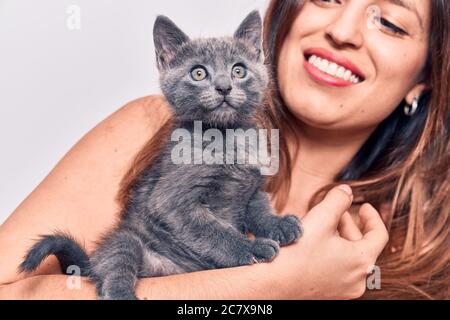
(286, 229)
(264, 250)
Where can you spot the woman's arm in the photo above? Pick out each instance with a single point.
(323, 264)
(78, 195)
(249, 282)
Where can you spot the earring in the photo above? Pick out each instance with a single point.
(410, 110)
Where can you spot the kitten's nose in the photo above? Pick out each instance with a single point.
(223, 85)
(224, 90)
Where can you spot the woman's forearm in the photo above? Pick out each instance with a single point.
(47, 287)
(248, 282)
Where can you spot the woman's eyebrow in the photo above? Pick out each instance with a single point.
(409, 6)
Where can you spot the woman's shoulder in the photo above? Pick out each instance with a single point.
(152, 110)
(132, 125)
(79, 194)
(121, 135)
(152, 103)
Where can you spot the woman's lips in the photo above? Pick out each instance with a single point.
(313, 58)
(324, 78)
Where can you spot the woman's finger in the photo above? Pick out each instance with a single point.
(375, 234)
(348, 229)
(329, 211)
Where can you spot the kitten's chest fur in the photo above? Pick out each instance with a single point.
(223, 188)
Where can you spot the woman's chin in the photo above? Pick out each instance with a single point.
(319, 118)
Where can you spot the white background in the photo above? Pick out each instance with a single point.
(56, 84)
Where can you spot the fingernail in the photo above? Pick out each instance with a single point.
(346, 189)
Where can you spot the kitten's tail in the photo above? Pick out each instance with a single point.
(64, 247)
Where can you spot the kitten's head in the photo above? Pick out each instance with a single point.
(220, 81)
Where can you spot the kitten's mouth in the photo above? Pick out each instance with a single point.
(225, 104)
(224, 115)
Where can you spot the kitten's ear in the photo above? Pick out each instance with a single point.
(168, 39)
(250, 31)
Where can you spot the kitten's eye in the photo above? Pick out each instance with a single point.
(199, 73)
(239, 71)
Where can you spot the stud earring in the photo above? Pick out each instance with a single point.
(410, 110)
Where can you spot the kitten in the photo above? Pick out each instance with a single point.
(189, 217)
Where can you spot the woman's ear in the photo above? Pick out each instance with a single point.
(416, 92)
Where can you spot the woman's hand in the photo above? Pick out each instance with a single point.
(332, 259)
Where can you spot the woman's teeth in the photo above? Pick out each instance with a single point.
(333, 69)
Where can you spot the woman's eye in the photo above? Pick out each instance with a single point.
(392, 27)
(199, 73)
(328, 1)
(381, 21)
(239, 71)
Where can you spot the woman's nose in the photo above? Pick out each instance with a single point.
(345, 29)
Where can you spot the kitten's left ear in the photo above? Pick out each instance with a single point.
(168, 38)
(250, 31)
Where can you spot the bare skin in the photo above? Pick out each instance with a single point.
(334, 122)
(79, 195)
(331, 260)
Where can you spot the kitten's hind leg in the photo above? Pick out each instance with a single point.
(116, 265)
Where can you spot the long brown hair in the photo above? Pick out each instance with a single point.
(405, 163)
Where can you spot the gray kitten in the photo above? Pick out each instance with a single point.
(189, 217)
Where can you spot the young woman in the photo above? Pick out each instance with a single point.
(376, 119)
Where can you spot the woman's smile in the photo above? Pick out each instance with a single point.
(331, 68)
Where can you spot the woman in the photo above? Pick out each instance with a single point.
(383, 130)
